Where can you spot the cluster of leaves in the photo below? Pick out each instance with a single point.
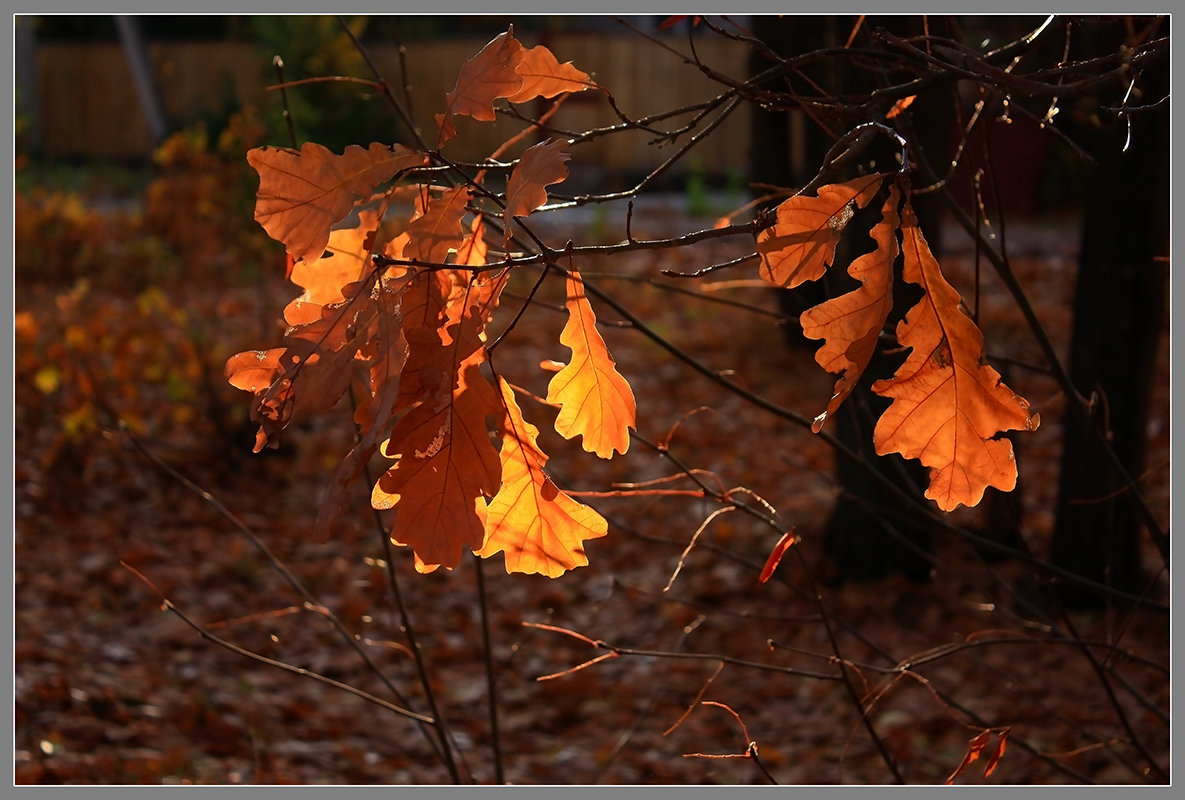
(60, 237)
(413, 312)
(191, 217)
(85, 360)
(948, 405)
(197, 197)
(417, 323)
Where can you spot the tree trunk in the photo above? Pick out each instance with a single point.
(136, 53)
(1120, 308)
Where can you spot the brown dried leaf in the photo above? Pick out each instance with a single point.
(544, 76)
(303, 194)
(541, 165)
(446, 466)
(438, 230)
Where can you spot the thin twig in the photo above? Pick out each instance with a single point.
(491, 671)
(168, 605)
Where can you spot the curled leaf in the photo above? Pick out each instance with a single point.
(851, 323)
(775, 556)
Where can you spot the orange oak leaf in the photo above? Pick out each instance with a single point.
(346, 259)
(948, 404)
(595, 401)
(445, 466)
(473, 250)
(851, 323)
(302, 194)
(483, 78)
(541, 165)
(544, 76)
(344, 317)
(539, 528)
(438, 230)
(430, 370)
(801, 244)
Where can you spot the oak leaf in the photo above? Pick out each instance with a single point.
(384, 353)
(311, 372)
(483, 78)
(506, 69)
(801, 244)
(544, 76)
(345, 260)
(539, 528)
(438, 230)
(595, 401)
(541, 165)
(445, 466)
(303, 193)
(948, 405)
(851, 323)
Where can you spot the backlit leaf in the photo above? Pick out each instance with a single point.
(438, 230)
(997, 753)
(483, 78)
(446, 466)
(544, 76)
(948, 404)
(974, 750)
(302, 194)
(595, 401)
(801, 244)
(541, 165)
(539, 528)
(851, 323)
(347, 260)
(787, 540)
(332, 326)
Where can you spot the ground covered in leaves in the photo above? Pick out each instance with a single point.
(705, 676)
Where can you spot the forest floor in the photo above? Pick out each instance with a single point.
(112, 688)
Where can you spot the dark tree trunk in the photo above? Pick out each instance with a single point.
(1120, 308)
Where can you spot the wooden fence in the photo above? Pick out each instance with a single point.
(87, 105)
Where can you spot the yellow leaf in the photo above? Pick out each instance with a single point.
(539, 528)
(595, 401)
